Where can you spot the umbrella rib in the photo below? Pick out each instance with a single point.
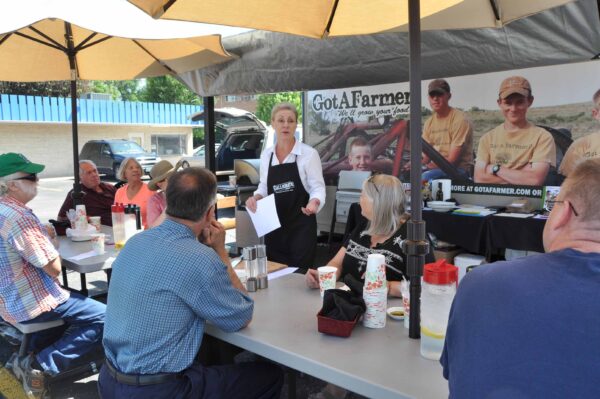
(51, 40)
(157, 60)
(495, 8)
(5, 38)
(40, 41)
(82, 47)
(330, 21)
(87, 39)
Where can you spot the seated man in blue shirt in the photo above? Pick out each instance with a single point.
(529, 328)
(165, 286)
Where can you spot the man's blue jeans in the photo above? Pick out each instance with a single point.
(434, 174)
(84, 319)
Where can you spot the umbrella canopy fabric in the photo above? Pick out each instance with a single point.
(43, 40)
(271, 62)
(34, 42)
(319, 18)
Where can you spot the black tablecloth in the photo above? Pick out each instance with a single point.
(522, 234)
(468, 232)
(486, 235)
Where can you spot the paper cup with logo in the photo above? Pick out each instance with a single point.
(80, 218)
(376, 303)
(326, 278)
(375, 273)
(98, 243)
(95, 221)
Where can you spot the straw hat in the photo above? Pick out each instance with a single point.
(160, 172)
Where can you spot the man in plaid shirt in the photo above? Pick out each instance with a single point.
(29, 289)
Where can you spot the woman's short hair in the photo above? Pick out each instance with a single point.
(284, 106)
(389, 204)
(190, 193)
(126, 161)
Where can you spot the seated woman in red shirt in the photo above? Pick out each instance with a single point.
(135, 191)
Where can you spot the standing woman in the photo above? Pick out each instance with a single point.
(135, 191)
(292, 171)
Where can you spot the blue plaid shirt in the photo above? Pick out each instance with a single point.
(165, 285)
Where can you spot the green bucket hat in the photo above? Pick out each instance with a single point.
(12, 162)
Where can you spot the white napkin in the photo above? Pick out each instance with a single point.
(81, 233)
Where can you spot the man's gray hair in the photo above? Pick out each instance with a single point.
(83, 161)
(389, 204)
(4, 183)
(582, 189)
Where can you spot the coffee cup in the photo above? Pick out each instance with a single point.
(327, 278)
(98, 243)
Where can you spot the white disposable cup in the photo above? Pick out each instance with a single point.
(375, 274)
(376, 306)
(327, 278)
(95, 221)
(98, 243)
(232, 181)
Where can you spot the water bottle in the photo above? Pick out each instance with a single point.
(438, 290)
(118, 220)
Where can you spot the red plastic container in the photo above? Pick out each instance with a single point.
(338, 328)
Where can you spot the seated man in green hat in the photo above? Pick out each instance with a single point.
(30, 292)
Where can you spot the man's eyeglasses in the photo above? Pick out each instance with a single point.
(31, 177)
(552, 202)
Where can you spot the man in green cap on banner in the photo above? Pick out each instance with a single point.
(29, 268)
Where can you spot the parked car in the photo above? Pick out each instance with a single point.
(244, 137)
(108, 155)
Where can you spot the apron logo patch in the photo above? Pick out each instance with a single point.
(284, 187)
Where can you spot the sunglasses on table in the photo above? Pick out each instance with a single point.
(31, 177)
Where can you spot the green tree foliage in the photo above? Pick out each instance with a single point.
(166, 89)
(266, 102)
(124, 90)
(49, 89)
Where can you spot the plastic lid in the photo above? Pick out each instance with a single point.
(440, 273)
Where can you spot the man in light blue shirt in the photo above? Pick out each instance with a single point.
(165, 286)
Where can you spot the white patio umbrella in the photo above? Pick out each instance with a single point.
(323, 18)
(43, 40)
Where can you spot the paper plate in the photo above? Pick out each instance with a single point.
(394, 312)
(81, 238)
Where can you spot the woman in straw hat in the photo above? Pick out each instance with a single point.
(157, 204)
(135, 191)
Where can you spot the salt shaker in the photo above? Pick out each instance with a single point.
(249, 255)
(261, 260)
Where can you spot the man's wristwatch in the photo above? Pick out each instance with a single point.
(495, 169)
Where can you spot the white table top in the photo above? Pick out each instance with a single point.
(377, 363)
(68, 248)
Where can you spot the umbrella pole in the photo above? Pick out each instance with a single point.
(77, 195)
(416, 246)
(209, 134)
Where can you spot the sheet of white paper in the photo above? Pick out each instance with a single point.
(281, 273)
(265, 218)
(515, 215)
(84, 255)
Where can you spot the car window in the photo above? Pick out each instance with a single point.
(126, 147)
